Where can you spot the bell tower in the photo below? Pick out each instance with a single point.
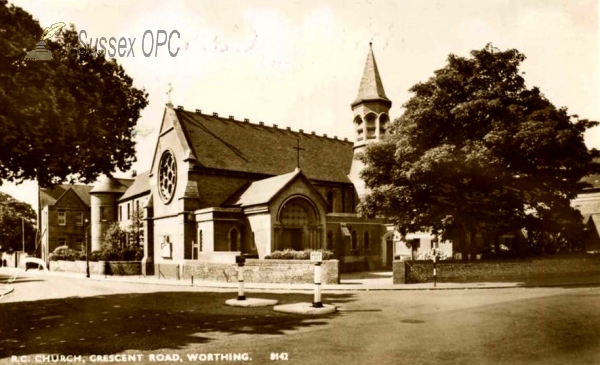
(371, 116)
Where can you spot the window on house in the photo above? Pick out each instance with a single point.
(137, 206)
(128, 211)
(79, 244)
(79, 220)
(366, 240)
(253, 242)
(120, 212)
(353, 241)
(102, 213)
(62, 241)
(62, 217)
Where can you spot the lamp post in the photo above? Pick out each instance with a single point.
(87, 255)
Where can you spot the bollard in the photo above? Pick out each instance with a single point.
(240, 260)
(192, 280)
(434, 270)
(317, 302)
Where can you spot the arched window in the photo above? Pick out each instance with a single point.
(383, 124)
(358, 126)
(370, 125)
(353, 243)
(234, 240)
(366, 240)
(329, 240)
(329, 201)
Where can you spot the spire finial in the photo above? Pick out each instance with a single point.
(371, 44)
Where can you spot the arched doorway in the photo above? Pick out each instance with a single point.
(234, 240)
(387, 249)
(298, 226)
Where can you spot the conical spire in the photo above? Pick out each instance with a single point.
(371, 87)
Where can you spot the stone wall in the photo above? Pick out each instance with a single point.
(98, 267)
(263, 271)
(499, 270)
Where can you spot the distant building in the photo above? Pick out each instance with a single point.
(588, 203)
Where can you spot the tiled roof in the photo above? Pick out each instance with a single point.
(261, 191)
(371, 87)
(140, 185)
(50, 196)
(227, 144)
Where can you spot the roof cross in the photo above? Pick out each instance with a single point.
(298, 148)
(169, 92)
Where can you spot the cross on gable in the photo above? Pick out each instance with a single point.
(169, 92)
(298, 149)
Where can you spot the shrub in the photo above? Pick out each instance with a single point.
(65, 253)
(289, 254)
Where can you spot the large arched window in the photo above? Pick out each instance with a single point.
(167, 176)
(366, 240)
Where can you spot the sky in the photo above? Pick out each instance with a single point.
(299, 63)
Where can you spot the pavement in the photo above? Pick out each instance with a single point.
(361, 281)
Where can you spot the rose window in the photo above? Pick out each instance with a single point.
(167, 176)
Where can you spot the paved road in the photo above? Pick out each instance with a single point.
(67, 316)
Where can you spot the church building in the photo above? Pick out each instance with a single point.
(219, 187)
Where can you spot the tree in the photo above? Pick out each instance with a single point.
(70, 118)
(477, 152)
(15, 214)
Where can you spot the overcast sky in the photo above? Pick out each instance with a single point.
(299, 63)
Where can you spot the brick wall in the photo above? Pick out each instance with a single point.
(499, 270)
(98, 267)
(263, 271)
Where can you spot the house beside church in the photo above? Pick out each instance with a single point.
(219, 187)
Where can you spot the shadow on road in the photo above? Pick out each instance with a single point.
(164, 320)
(15, 279)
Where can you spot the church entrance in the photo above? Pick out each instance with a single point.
(298, 226)
(292, 237)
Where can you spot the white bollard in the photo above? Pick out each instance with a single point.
(241, 295)
(317, 302)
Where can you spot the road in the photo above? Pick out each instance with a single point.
(68, 316)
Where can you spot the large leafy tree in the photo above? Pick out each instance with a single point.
(477, 152)
(17, 224)
(70, 118)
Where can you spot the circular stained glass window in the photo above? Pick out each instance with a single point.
(167, 176)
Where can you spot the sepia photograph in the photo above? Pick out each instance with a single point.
(300, 182)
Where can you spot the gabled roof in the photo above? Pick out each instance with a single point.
(261, 191)
(227, 144)
(141, 185)
(371, 87)
(51, 196)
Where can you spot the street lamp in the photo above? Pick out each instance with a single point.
(87, 255)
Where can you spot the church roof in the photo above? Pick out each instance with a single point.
(51, 196)
(227, 144)
(371, 87)
(261, 191)
(141, 185)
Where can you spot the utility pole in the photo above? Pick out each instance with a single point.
(23, 232)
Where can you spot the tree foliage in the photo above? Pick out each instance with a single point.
(477, 152)
(124, 243)
(72, 117)
(15, 214)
